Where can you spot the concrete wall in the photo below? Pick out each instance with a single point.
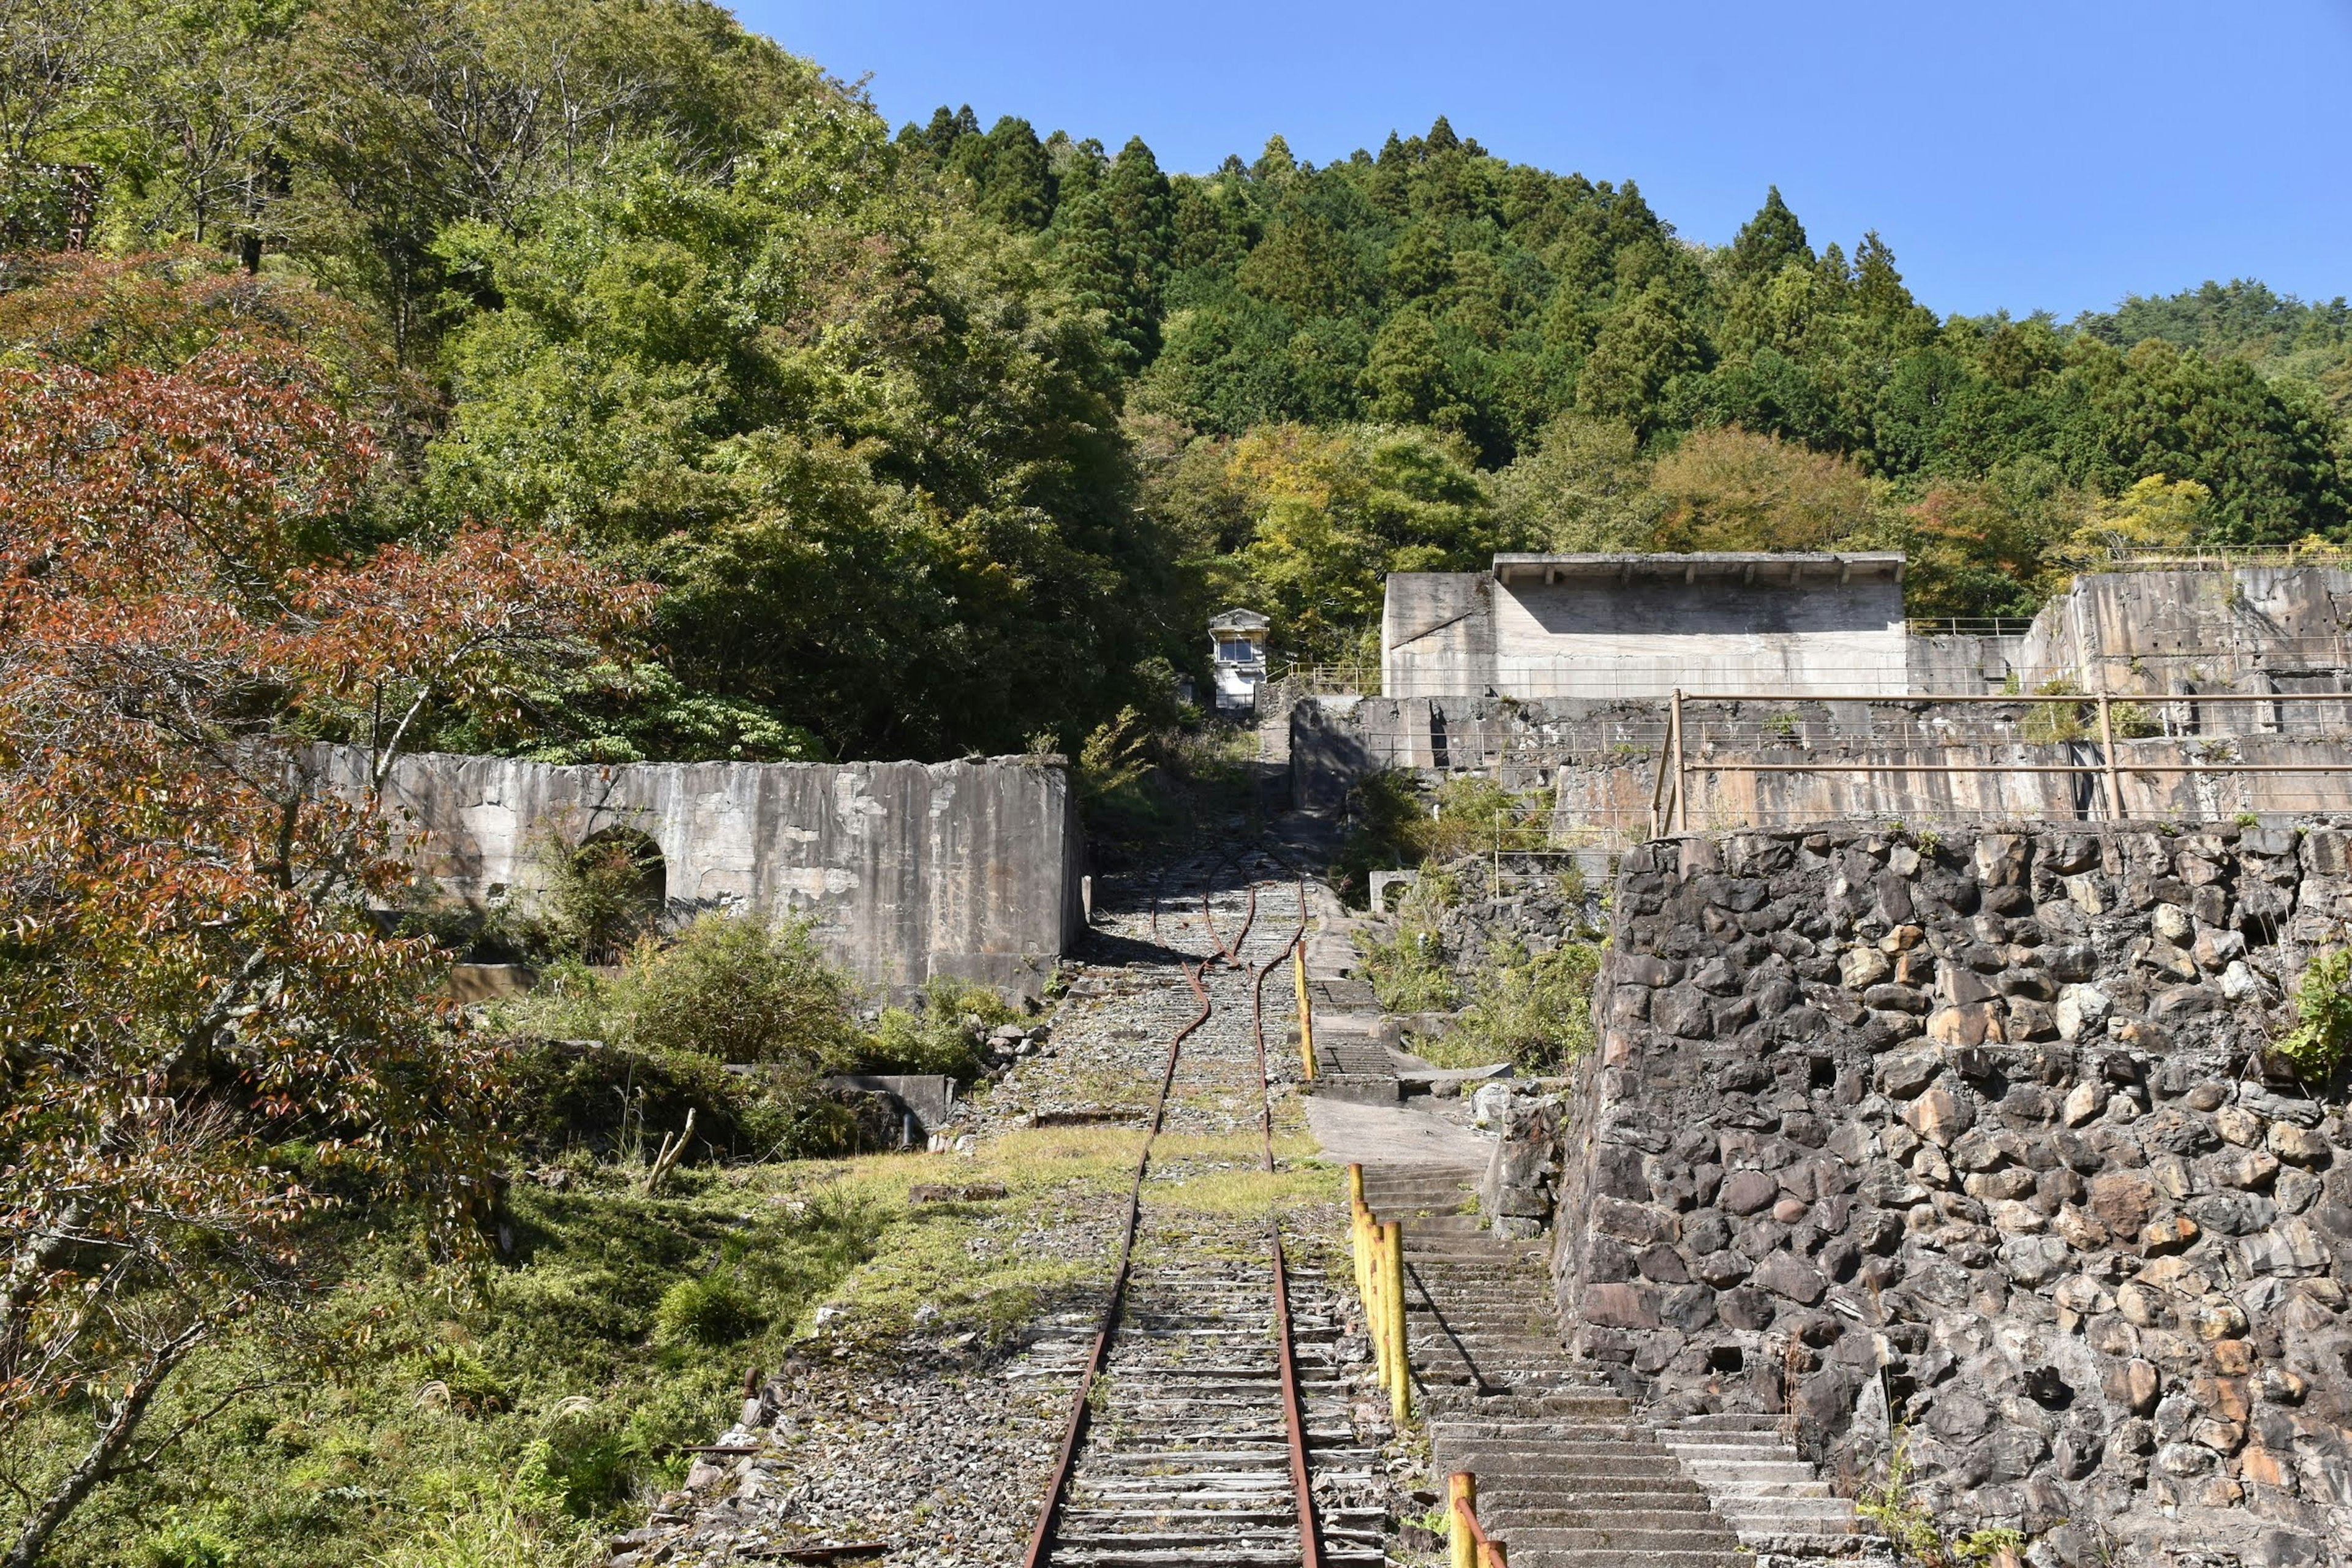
(1971, 1137)
(1601, 761)
(1602, 639)
(1959, 664)
(967, 869)
(1437, 634)
(2251, 628)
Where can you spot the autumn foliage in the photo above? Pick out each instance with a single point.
(205, 1032)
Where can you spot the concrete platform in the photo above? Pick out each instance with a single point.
(1392, 1135)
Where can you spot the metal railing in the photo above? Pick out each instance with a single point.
(2223, 557)
(1968, 625)
(1467, 1544)
(1359, 678)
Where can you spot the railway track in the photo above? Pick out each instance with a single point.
(1210, 1422)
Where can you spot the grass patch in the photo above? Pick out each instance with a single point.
(513, 1416)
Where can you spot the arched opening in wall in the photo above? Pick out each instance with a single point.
(609, 891)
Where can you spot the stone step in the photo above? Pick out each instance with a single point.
(1613, 1557)
(1627, 1538)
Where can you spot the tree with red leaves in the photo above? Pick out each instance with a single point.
(207, 1037)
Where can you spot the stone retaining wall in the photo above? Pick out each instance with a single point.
(1968, 1138)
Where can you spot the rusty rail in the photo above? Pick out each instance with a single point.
(1040, 1539)
(1293, 1409)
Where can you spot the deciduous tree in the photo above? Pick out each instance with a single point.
(205, 1038)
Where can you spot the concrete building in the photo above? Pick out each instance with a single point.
(1608, 626)
(1237, 659)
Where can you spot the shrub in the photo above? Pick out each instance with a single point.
(713, 1310)
(2315, 1047)
(2049, 723)
(604, 894)
(1408, 972)
(1394, 823)
(737, 990)
(934, 1035)
(725, 991)
(1535, 1012)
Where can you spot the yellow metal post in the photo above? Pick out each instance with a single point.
(1306, 1021)
(1392, 1287)
(1461, 1500)
(2107, 758)
(1376, 1302)
(1360, 1246)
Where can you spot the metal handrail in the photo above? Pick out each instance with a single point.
(1967, 626)
(1468, 1544)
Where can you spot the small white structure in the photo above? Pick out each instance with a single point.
(1237, 659)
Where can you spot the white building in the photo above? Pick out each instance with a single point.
(1237, 659)
(1608, 627)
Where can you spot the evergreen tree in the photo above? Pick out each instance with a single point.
(1769, 240)
(1408, 380)
(1143, 214)
(1638, 356)
(1016, 184)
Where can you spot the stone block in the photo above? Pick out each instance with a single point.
(1939, 1116)
(2085, 893)
(1786, 1274)
(2123, 1200)
(2298, 1146)
(1632, 1222)
(2000, 860)
(2034, 1260)
(1860, 967)
(1682, 1011)
(1621, 1306)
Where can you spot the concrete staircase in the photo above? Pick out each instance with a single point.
(1568, 1476)
(1763, 1487)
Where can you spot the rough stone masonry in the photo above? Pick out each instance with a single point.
(1970, 1140)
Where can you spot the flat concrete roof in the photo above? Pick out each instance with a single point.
(1744, 566)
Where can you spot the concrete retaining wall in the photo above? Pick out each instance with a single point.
(2250, 628)
(908, 870)
(1600, 760)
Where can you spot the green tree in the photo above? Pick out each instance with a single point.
(1770, 241)
(867, 445)
(1585, 488)
(1636, 360)
(1407, 380)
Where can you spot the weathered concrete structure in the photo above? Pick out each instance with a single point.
(1972, 1136)
(1598, 628)
(1605, 626)
(2249, 627)
(907, 871)
(1600, 760)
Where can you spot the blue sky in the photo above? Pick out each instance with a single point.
(2049, 156)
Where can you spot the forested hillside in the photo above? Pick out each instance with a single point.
(945, 439)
